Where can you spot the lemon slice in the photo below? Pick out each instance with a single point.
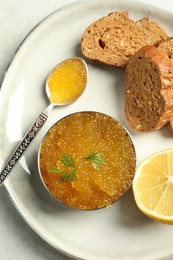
(153, 186)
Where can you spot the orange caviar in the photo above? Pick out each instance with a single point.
(67, 81)
(78, 134)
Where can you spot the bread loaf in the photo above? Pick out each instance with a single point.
(114, 38)
(149, 90)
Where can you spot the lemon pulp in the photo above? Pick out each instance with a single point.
(153, 186)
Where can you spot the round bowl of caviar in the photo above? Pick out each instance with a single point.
(87, 160)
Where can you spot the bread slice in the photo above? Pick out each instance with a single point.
(114, 38)
(166, 47)
(149, 90)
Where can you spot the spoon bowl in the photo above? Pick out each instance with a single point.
(62, 90)
(64, 85)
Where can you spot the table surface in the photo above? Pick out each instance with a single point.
(17, 18)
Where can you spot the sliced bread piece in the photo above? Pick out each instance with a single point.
(149, 90)
(114, 38)
(166, 47)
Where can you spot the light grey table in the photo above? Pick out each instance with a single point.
(17, 18)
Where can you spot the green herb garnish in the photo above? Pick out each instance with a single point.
(94, 158)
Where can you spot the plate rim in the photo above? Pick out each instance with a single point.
(2, 88)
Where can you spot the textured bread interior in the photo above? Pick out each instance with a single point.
(114, 38)
(166, 47)
(144, 102)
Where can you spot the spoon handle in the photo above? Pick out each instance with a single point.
(23, 145)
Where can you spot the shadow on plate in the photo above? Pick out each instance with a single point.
(130, 214)
(166, 131)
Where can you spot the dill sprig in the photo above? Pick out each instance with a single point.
(95, 159)
(69, 172)
(67, 160)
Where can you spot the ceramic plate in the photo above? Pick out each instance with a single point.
(119, 232)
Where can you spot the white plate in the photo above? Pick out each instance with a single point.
(121, 232)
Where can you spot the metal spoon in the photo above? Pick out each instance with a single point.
(77, 64)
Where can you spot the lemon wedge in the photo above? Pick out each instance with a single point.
(153, 186)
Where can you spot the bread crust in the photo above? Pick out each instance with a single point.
(159, 43)
(166, 47)
(114, 38)
(165, 75)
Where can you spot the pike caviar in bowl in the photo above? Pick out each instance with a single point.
(87, 160)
